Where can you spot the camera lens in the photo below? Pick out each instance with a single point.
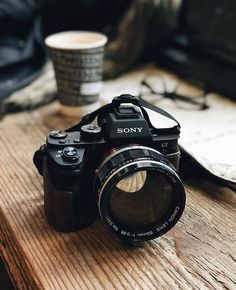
(140, 194)
(141, 198)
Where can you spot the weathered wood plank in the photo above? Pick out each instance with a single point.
(198, 253)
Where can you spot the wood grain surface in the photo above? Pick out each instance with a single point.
(198, 253)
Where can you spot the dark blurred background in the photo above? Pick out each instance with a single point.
(99, 15)
(195, 38)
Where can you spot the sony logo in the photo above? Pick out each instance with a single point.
(129, 130)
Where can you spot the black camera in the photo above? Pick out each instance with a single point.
(123, 168)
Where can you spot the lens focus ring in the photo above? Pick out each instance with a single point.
(122, 157)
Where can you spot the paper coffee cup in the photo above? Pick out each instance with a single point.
(77, 58)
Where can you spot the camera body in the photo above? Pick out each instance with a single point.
(81, 164)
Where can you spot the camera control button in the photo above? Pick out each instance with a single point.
(70, 154)
(76, 140)
(57, 134)
(75, 158)
(91, 132)
(70, 151)
(91, 127)
(62, 141)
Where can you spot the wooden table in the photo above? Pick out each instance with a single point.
(198, 253)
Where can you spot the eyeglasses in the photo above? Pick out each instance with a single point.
(194, 99)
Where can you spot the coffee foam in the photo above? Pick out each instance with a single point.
(75, 40)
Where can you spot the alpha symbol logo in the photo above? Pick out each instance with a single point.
(129, 130)
(164, 144)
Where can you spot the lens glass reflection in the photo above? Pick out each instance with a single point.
(141, 198)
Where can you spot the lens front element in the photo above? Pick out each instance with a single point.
(145, 205)
(132, 182)
(140, 194)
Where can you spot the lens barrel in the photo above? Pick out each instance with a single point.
(140, 195)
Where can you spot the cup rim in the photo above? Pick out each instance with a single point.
(56, 40)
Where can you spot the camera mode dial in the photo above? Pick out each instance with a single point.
(91, 132)
(56, 134)
(70, 154)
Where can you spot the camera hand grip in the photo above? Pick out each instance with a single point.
(62, 206)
